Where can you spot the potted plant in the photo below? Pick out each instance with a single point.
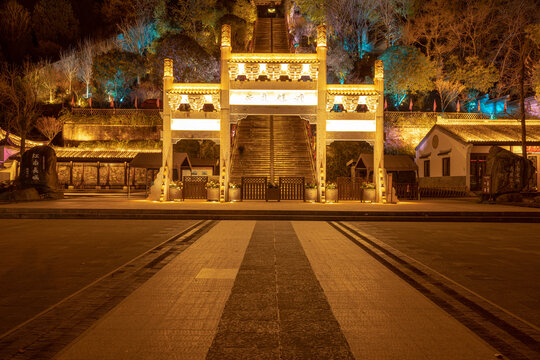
(175, 190)
(273, 192)
(235, 192)
(368, 192)
(331, 193)
(311, 192)
(212, 190)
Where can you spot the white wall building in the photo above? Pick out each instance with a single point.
(453, 154)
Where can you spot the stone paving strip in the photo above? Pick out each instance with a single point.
(50, 331)
(381, 316)
(277, 308)
(512, 336)
(175, 314)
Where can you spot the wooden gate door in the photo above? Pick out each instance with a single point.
(349, 188)
(292, 188)
(254, 188)
(194, 187)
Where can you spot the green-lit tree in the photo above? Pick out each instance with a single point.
(406, 72)
(116, 71)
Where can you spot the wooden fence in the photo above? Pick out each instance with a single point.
(292, 188)
(349, 188)
(443, 192)
(194, 187)
(254, 188)
(406, 191)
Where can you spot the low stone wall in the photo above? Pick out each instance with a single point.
(101, 132)
(112, 175)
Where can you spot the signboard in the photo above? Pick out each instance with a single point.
(533, 149)
(38, 169)
(273, 97)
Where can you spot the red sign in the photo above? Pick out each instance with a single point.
(533, 149)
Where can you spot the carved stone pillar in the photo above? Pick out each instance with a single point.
(321, 113)
(225, 127)
(378, 148)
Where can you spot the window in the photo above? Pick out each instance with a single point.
(446, 166)
(426, 168)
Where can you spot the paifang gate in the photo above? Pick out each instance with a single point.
(297, 86)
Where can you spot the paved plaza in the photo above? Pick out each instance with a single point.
(271, 290)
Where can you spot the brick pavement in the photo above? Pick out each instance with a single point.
(176, 313)
(274, 290)
(381, 316)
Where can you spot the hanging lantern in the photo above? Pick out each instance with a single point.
(458, 108)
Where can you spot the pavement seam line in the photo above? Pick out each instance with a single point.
(413, 260)
(191, 230)
(422, 285)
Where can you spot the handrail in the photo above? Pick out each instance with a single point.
(309, 139)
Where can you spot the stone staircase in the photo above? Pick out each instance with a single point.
(270, 36)
(292, 156)
(262, 36)
(271, 146)
(251, 152)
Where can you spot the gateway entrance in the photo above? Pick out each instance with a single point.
(281, 103)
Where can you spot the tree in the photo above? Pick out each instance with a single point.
(430, 29)
(406, 71)
(19, 100)
(473, 73)
(69, 65)
(339, 153)
(87, 50)
(49, 126)
(51, 77)
(353, 20)
(521, 53)
(15, 29)
(192, 63)
(116, 71)
(137, 37)
(198, 19)
(115, 12)
(340, 63)
(246, 10)
(448, 90)
(54, 21)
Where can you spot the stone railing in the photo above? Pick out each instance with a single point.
(274, 66)
(194, 95)
(110, 112)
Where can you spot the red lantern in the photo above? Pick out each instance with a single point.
(410, 106)
(458, 108)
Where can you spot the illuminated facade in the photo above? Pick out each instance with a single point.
(305, 93)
